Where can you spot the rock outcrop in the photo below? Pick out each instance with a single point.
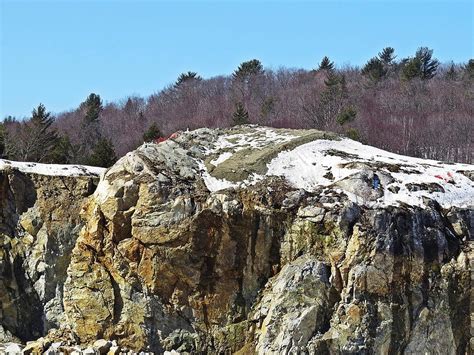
(247, 240)
(38, 229)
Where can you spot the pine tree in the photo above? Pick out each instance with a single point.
(152, 133)
(240, 115)
(451, 74)
(92, 107)
(90, 133)
(9, 119)
(353, 134)
(267, 108)
(187, 77)
(3, 133)
(387, 55)
(429, 65)
(248, 69)
(422, 66)
(411, 68)
(38, 137)
(331, 101)
(326, 64)
(103, 154)
(375, 69)
(62, 153)
(469, 70)
(347, 115)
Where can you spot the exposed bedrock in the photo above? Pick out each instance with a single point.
(163, 261)
(39, 225)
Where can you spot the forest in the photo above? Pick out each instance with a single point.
(414, 106)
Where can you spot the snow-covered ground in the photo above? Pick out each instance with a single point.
(325, 163)
(51, 169)
(340, 164)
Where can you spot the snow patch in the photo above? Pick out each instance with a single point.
(323, 163)
(51, 169)
(222, 158)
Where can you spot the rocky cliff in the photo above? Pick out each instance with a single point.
(39, 225)
(245, 240)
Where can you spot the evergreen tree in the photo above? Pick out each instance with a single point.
(469, 70)
(62, 153)
(387, 55)
(3, 133)
(422, 66)
(331, 101)
(103, 154)
(9, 119)
(129, 107)
(248, 69)
(411, 68)
(347, 115)
(90, 133)
(187, 77)
(326, 64)
(429, 65)
(240, 115)
(38, 137)
(267, 108)
(353, 134)
(451, 74)
(375, 69)
(152, 133)
(92, 107)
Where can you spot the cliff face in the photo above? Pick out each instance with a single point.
(39, 225)
(249, 240)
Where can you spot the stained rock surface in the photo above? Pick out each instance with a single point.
(245, 240)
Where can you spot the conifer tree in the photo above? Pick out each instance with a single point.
(62, 153)
(422, 65)
(347, 115)
(375, 69)
(92, 107)
(240, 115)
(90, 133)
(3, 133)
(387, 55)
(152, 133)
(38, 137)
(267, 108)
(451, 74)
(428, 65)
(469, 70)
(326, 64)
(103, 154)
(248, 69)
(187, 77)
(411, 68)
(331, 100)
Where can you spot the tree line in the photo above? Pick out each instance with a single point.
(414, 106)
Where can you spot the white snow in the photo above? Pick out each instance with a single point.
(222, 158)
(51, 169)
(257, 139)
(212, 183)
(306, 165)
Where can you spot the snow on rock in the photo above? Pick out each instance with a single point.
(258, 138)
(368, 175)
(51, 169)
(309, 165)
(222, 158)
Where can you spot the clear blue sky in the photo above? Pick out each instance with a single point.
(57, 52)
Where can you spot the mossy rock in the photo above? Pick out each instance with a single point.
(248, 161)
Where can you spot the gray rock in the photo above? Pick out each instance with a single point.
(102, 346)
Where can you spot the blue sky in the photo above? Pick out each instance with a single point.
(57, 52)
